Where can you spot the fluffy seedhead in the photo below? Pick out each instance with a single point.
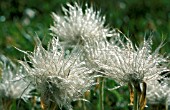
(97, 54)
(158, 92)
(59, 78)
(132, 64)
(13, 84)
(77, 26)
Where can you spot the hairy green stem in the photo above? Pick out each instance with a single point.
(101, 92)
(136, 99)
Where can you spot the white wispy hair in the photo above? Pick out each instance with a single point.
(59, 78)
(78, 26)
(158, 92)
(97, 53)
(132, 64)
(13, 84)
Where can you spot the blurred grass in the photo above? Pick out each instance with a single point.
(133, 17)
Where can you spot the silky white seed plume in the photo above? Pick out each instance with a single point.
(78, 26)
(135, 64)
(13, 84)
(59, 78)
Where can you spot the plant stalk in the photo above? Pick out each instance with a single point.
(101, 92)
(83, 103)
(136, 103)
(166, 104)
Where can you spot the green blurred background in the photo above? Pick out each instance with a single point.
(22, 20)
